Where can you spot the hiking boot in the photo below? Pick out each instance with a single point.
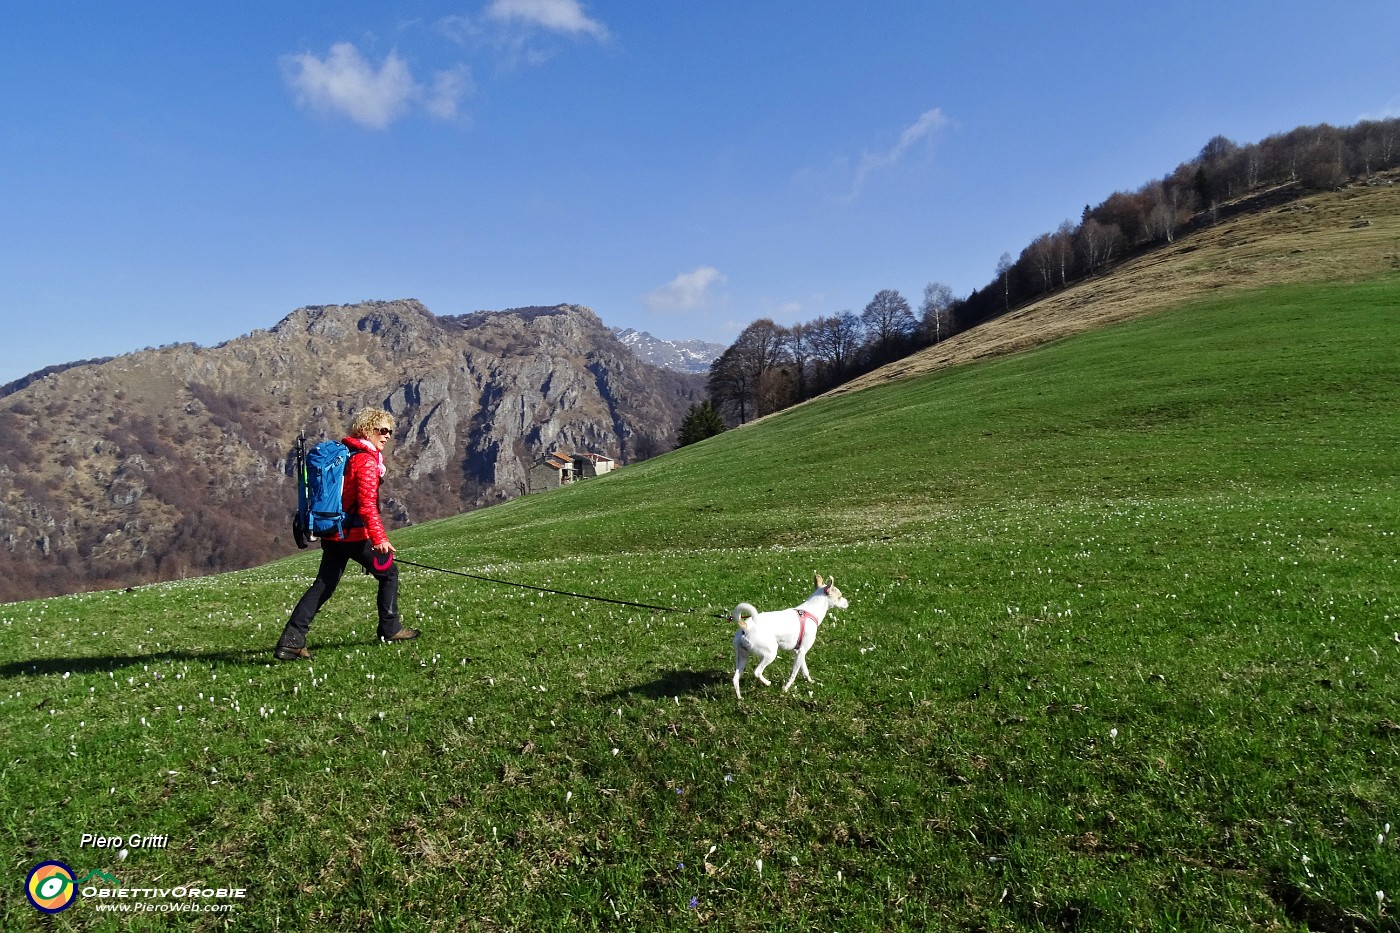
(403, 634)
(285, 653)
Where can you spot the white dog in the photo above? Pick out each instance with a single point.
(763, 633)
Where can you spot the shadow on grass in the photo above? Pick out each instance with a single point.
(673, 684)
(40, 667)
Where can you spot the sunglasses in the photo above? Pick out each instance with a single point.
(385, 431)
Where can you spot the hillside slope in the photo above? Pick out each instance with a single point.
(1120, 654)
(1292, 237)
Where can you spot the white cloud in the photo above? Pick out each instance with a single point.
(462, 30)
(449, 87)
(565, 16)
(686, 292)
(345, 83)
(872, 163)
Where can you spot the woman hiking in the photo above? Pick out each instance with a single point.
(363, 540)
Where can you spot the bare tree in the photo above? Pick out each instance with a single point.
(1040, 257)
(1253, 168)
(937, 311)
(1389, 143)
(833, 341)
(889, 322)
(1322, 164)
(731, 385)
(777, 389)
(1004, 266)
(766, 341)
(800, 352)
(1164, 214)
(1128, 212)
(1062, 250)
(737, 377)
(1098, 244)
(1217, 149)
(1370, 153)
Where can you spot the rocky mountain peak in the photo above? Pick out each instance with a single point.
(186, 465)
(685, 356)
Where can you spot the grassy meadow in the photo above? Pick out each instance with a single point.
(1122, 652)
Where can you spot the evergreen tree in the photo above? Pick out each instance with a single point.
(700, 422)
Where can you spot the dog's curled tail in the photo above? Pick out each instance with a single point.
(741, 615)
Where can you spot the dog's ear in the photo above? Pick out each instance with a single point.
(831, 584)
(818, 578)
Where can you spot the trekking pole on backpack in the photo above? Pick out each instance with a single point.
(301, 525)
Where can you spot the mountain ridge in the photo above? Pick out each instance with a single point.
(687, 356)
(183, 464)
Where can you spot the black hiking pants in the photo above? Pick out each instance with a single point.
(335, 555)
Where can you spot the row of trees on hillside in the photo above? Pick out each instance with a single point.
(771, 366)
(1221, 180)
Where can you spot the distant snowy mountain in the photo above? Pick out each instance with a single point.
(685, 356)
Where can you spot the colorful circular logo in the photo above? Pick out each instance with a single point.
(50, 887)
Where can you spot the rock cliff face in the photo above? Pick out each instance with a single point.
(178, 461)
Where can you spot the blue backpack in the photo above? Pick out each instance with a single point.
(320, 487)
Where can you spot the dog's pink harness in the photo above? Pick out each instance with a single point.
(802, 616)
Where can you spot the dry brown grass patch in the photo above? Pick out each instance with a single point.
(1351, 235)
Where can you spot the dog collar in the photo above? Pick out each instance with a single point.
(802, 616)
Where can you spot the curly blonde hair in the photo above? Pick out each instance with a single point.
(369, 420)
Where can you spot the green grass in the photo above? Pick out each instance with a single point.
(1121, 653)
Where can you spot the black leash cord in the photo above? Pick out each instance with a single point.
(544, 589)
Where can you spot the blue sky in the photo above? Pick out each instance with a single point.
(190, 172)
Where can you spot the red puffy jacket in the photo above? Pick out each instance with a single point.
(360, 494)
